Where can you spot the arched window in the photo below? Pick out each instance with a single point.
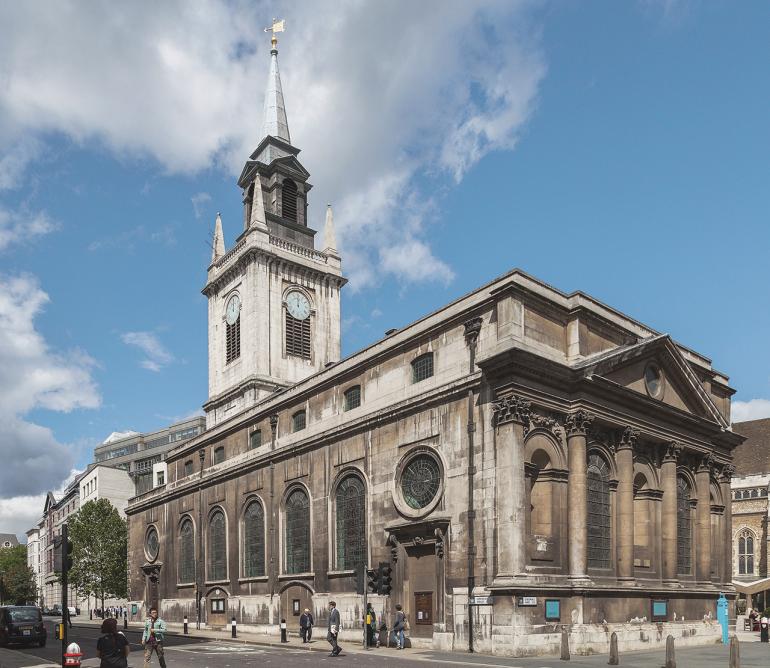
(289, 200)
(350, 515)
(254, 540)
(683, 527)
(298, 421)
(297, 532)
(754, 493)
(599, 539)
(352, 397)
(217, 547)
(186, 551)
(746, 552)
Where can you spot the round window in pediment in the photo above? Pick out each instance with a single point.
(420, 481)
(653, 381)
(152, 544)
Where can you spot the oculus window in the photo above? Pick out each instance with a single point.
(420, 481)
(152, 544)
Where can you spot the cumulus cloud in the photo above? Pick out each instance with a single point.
(754, 409)
(156, 354)
(390, 102)
(32, 376)
(23, 226)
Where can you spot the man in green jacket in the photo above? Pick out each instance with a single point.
(152, 638)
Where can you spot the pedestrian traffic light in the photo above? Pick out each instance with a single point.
(372, 581)
(62, 555)
(385, 578)
(67, 554)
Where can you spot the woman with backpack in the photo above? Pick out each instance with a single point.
(112, 648)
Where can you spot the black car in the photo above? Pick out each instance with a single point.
(22, 624)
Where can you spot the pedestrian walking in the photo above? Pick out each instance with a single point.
(371, 625)
(399, 627)
(334, 629)
(152, 638)
(306, 626)
(112, 648)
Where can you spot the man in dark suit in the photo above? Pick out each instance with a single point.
(306, 626)
(334, 628)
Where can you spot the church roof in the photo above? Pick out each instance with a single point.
(275, 123)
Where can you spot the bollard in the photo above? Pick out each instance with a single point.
(185, 625)
(283, 631)
(72, 656)
(670, 657)
(614, 659)
(735, 653)
(233, 634)
(564, 644)
(125, 622)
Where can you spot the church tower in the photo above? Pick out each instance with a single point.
(273, 299)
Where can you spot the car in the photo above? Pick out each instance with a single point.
(22, 624)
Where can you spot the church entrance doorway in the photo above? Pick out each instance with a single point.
(420, 589)
(294, 599)
(217, 609)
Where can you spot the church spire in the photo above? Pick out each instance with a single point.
(330, 239)
(218, 245)
(275, 123)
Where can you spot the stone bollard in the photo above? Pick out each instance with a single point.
(670, 657)
(614, 658)
(564, 644)
(735, 653)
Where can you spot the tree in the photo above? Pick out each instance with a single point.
(17, 581)
(99, 551)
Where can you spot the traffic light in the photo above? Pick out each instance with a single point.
(372, 581)
(62, 554)
(385, 572)
(67, 554)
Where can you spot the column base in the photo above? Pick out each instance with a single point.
(511, 581)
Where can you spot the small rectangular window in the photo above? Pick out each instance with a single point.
(255, 439)
(353, 397)
(422, 367)
(188, 467)
(219, 455)
(161, 478)
(298, 421)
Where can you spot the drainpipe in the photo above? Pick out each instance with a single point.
(273, 430)
(199, 560)
(472, 329)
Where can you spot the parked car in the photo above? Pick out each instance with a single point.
(22, 624)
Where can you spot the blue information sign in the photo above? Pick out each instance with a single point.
(552, 610)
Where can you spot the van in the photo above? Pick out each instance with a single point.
(22, 624)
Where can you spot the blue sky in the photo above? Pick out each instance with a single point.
(616, 148)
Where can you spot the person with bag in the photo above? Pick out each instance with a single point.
(334, 629)
(371, 625)
(306, 626)
(112, 648)
(399, 627)
(152, 638)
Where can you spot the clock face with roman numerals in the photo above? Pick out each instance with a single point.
(298, 305)
(233, 309)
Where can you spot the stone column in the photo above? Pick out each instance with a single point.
(624, 459)
(668, 513)
(510, 415)
(703, 521)
(727, 524)
(576, 426)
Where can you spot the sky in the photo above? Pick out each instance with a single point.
(618, 148)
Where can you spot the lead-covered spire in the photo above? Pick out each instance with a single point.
(275, 122)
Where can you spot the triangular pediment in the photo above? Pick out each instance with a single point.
(656, 369)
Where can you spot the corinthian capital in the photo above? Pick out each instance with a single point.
(578, 423)
(706, 462)
(727, 473)
(511, 409)
(673, 450)
(628, 438)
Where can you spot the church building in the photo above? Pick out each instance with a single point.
(526, 461)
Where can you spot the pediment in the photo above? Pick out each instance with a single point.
(655, 368)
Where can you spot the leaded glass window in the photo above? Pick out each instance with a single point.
(297, 532)
(350, 514)
(353, 397)
(599, 522)
(683, 527)
(255, 439)
(254, 540)
(187, 552)
(217, 547)
(420, 481)
(746, 552)
(422, 367)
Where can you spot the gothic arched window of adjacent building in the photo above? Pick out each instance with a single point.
(297, 532)
(289, 200)
(683, 527)
(186, 551)
(254, 540)
(217, 546)
(350, 519)
(746, 552)
(599, 524)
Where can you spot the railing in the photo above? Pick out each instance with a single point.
(229, 254)
(297, 249)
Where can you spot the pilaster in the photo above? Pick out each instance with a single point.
(576, 426)
(624, 459)
(703, 521)
(668, 513)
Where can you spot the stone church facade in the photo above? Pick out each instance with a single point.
(565, 464)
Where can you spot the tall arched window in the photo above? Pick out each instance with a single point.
(297, 532)
(289, 200)
(254, 540)
(599, 527)
(350, 513)
(746, 552)
(683, 527)
(186, 551)
(217, 547)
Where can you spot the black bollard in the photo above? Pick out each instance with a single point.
(564, 644)
(735, 653)
(614, 658)
(233, 634)
(185, 625)
(283, 631)
(125, 622)
(670, 656)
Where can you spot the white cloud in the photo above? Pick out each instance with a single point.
(199, 201)
(17, 227)
(390, 102)
(32, 376)
(14, 162)
(157, 356)
(754, 409)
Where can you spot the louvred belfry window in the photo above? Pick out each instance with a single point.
(217, 547)
(187, 552)
(233, 345)
(289, 200)
(297, 532)
(599, 525)
(351, 523)
(297, 337)
(683, 527)
(254, 541)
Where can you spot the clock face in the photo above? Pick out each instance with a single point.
(233, 309)
(298, 305)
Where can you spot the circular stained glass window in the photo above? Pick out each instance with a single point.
(420, 481)
(152, 545)
(653, 380)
